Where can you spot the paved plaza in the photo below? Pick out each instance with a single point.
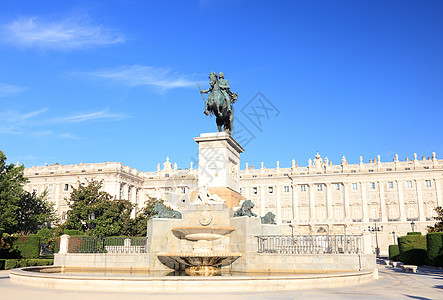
(393, 284)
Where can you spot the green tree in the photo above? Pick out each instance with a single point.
(138, 226)
(20, 211)
(438, 226)
(96, 213)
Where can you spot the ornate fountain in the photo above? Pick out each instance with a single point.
(203, 260)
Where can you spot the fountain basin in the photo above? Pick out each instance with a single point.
(197, 233)
(213, 259)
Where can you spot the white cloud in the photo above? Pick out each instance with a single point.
(7, 89)
(16, 117)
(137, 75)
(63, 34)
(98, 115)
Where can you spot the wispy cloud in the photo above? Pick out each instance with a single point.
(18, 117)
(70, 33)
(7, 89)
(98, 115)
(137, 75)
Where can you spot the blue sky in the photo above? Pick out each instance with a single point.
(95, 81)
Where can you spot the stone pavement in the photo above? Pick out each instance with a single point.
(393, 284)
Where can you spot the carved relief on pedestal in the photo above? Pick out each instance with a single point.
(233, 171)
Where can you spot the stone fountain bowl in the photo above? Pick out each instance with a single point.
(198, 233)
(216, 258)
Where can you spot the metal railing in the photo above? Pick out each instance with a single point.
(107, 245)
(310, 244)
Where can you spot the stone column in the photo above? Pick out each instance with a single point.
(64, 244)
(384, 219)
(294, 202)
(438, 192)
(346, 200)
(329, 201)
(367, 242)
(278, 187)
(311, 202)
(421, 210)
(262, 201)
(364, 202)
(401, 202)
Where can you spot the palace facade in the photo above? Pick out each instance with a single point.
(320, 198)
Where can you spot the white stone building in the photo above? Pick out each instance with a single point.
(319, 198)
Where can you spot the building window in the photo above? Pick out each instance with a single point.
(390, 185)
(430, 210)
(388, 169)
(356, 212)
(50, 188)
(319, 187)
(303, 188)
(337, 186)
(304, 213)
(66, 187)
(371, 170)
(321, 213)
(411, 211)
(372, 185)
(338, 212)
(254, 176)
(354, 186)
(374, 212)
(392, 211)
(409, 184)
(426, 168)
(407, 169)
(270, 189)
(286, 188)
(254, 190)
(183, 190)
(241, 190)
(166, 175)
(270, 175)
(428, 183)
(287, 214)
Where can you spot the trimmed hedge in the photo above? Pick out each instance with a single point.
(28, 246)
(412, 249)
(394, 252)
(434, 241)
(413, 233)
(7, 264)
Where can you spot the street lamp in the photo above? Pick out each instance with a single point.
(393, 236)
(292, 230)
(413, 226)
(376, 229)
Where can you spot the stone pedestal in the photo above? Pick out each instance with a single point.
(219, 166)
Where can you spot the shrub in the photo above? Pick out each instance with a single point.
(21, 263)
(413, 233)
(394, 252)
(72, 232)
(412, 249)
(1, 231)
(28, 246)
(2, 264)
(434, 242)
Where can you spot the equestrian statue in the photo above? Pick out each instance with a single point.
(219, 103)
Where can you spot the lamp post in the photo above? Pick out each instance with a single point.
(413, 226)
(376, 229)
(393, 236)
(292, 230)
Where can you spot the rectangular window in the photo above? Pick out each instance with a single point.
(183, 190)
(303, 213)
(407, 169)
(287, 214)
(411, 211)
(303, 188)
(409, 184)
(321, 213)
(374, 212)
(390, 185)
(388, 169)
(286, 189)
(241, 190)
(392, 211)
(354, 186)
(319, 187)
(428, 183)
(372, 185)
(166, 175)
(338, 212)
(270, 189)
(50, 188)
(254, 190)
(337, 186)
(356, 212)
(66, 188)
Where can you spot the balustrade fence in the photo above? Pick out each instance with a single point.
(107, 245)
(310, 244)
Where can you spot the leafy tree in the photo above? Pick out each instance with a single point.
(438, 226)
(20, 211)
(96, 213)
(138, 226)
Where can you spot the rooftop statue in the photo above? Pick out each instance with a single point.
(220, 100)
